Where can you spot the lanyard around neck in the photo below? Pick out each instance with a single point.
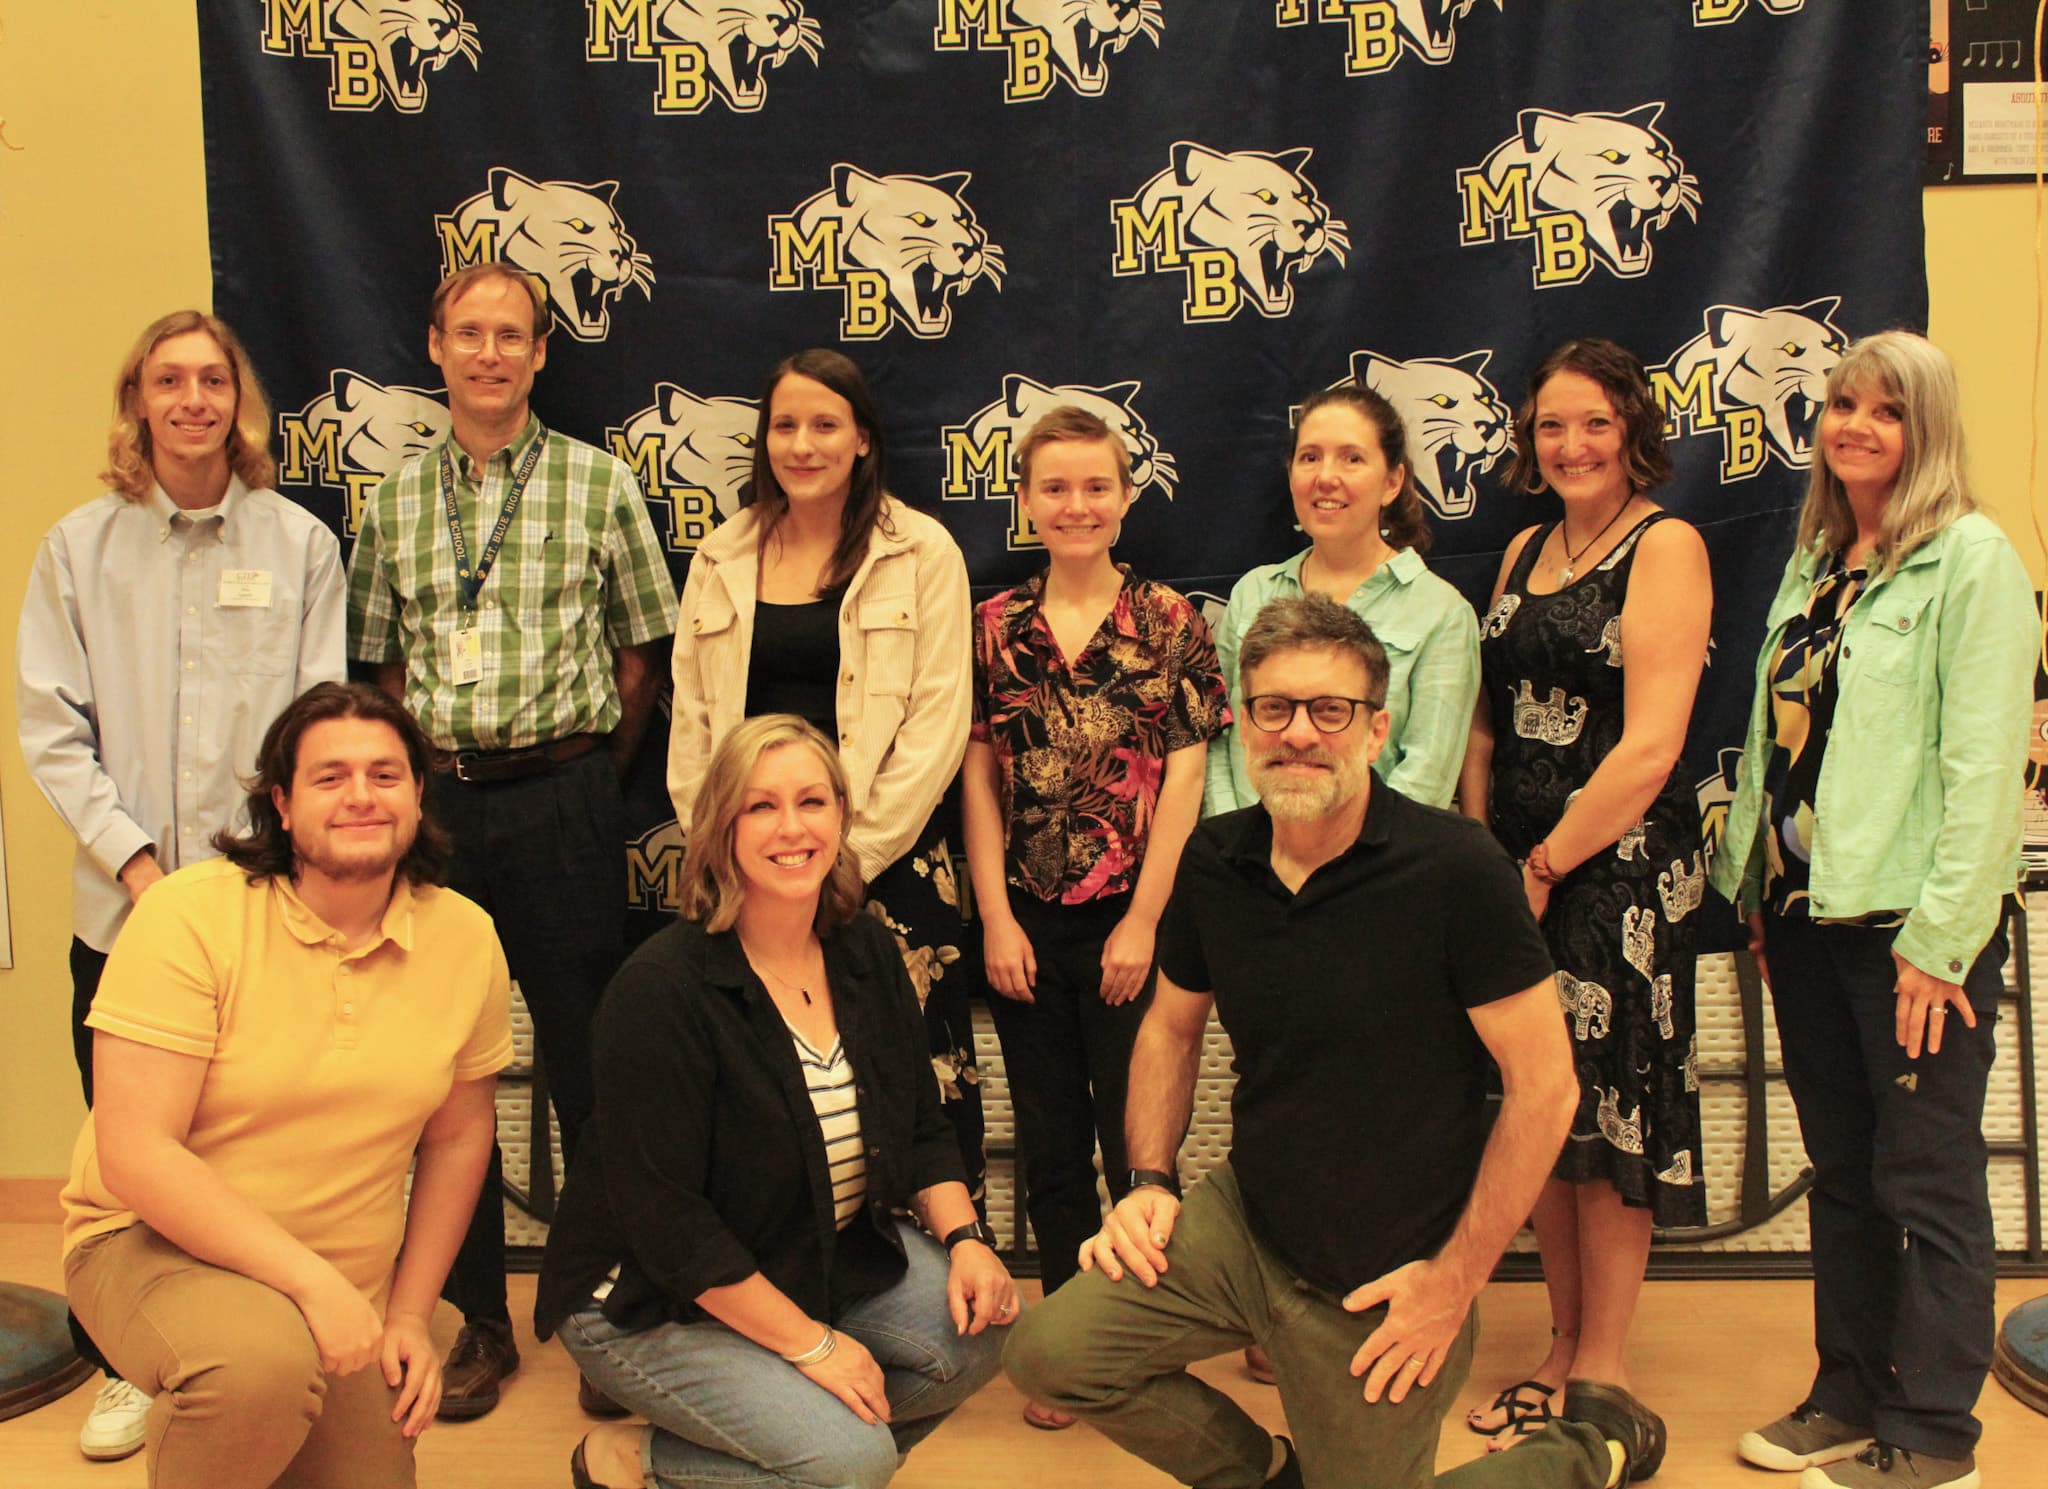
(471, 576)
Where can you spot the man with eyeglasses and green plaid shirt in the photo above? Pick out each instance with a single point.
(509, 588)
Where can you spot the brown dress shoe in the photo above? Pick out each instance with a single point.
(483, 1356)
(594, 1402)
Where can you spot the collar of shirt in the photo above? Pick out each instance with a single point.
(171, 516)
(466, 468)
(1249, 847)
(395, 926)
(1024, 616)
(1401, 569)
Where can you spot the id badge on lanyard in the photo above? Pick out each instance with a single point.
(466, 642)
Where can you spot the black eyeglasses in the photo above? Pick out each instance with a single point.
(1331, 714)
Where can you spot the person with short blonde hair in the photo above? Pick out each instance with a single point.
(165, 624)
(733, 1267)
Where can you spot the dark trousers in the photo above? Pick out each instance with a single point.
(1903, 1265)
(1067, 1059)
(545, 857)
(87, 966)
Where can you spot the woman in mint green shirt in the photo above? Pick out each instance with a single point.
(1357, 500)
(1873, 841)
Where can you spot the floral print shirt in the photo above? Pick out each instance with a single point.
(1082, 747)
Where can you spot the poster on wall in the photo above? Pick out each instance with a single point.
(1982, 117)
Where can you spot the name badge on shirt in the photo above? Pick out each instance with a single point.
(244, 589)
(466, 666)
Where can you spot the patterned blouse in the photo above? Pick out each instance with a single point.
(1803, 697)
(1083, 749)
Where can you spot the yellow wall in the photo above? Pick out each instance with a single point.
(103, 227)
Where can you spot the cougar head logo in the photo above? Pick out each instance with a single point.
(1085, 34)
(1776, 361)
(1025, 401)
(1431, 26)
(410, 39)
(1259, 208)
(1614, 172)
(916, 232)
(378, 429)
(742, 40)
(570, 236)
(1457, 426)
(705, 443)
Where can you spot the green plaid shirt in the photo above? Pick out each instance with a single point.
(581, 573)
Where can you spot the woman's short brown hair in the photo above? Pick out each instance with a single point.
(1071, 424)
(1619, 372)
(713, 887)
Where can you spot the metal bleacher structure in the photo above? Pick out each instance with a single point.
(1756, 1168)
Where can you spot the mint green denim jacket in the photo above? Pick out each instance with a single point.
(1432, 640)
(1918, 805)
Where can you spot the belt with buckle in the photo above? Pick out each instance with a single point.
(481, 767)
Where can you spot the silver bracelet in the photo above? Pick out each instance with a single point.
(816, 1352)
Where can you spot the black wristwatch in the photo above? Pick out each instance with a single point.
(1158, 1178)
(974, 1230)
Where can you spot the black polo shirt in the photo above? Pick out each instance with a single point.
(1359, 1109)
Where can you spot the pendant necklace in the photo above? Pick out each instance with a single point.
(1564, 575)
(760, 964)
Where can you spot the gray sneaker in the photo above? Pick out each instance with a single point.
(1882, 1466)
(1803, 1438)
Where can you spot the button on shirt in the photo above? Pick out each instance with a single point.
(145, 686)
(580, 574)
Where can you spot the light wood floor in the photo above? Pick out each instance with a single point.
(1714, 1358)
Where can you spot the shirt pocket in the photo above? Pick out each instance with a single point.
(1894, 643)
(262, 640)
(888, 629)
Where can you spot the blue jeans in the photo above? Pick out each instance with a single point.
(1903, 1266)
(727, 1412)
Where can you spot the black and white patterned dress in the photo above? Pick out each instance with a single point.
(1621, 926)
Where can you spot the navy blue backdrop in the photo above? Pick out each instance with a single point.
(1188, 214)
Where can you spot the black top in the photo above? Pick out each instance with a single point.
(793, 664)
(1359, 1109)
(704, 1164)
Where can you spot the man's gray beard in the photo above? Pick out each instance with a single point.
(1299, 804)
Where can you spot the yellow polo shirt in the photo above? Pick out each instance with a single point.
(323, 1063)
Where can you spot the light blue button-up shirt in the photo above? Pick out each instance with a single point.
(1432, 641)
(145, 683)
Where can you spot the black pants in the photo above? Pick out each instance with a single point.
(87, 966)
(1903, 1263)
(1067, 1059)
(545, 857)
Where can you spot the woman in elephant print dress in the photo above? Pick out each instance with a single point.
(1591, 654)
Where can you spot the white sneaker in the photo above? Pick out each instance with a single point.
(114, 1427)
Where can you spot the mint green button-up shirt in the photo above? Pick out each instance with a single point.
(1432, 641)
(1918, 804)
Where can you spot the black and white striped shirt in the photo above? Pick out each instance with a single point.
(829, 1080)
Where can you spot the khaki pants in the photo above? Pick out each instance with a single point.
(1115, 1355)
(241, 1402)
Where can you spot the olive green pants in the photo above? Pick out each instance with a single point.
(1115, 1354)
(241, 1401)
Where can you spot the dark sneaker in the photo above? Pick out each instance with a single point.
(1804, 1437)
(1882, 1466)
(1621, 1419)
(483, 1356)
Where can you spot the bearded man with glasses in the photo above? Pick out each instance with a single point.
(1366, 956)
